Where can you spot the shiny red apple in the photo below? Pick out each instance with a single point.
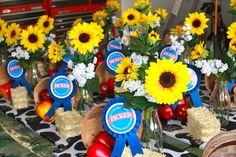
(181, 112)
(52, 72)
(44, 95)
(104, 89)
(166, 112)
(42, 109)
(105, 138)
(100, 58)
(5, 90)
(99, 150)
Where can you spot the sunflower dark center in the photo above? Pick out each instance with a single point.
(13, 33)
(46, 24)
(131, 17)
(126, 71)
(153, 35)
(196, 23)
(234, 44)
(167, 79)
(84, 37)
(33, 38)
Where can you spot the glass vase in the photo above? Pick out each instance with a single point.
(152, 134)
(219, 102)
(85, 102)
(33, 76)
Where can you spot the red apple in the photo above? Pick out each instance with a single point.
(105, 138)
(44, 95)
(166, 112)
(52, 72)
(104, 89)
(42, 109)
(111, 84)
(181, 112)
(98, 150)
(100, 58)
(183, 101)
(5, 91)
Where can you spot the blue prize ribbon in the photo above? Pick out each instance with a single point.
(116, 45)
(61, 98)
(194, 91)
(64, 64)
(231, 85)
(113, 108)
(18, 75)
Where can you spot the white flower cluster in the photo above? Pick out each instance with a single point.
(81, 73)
(19, 53)
(187, 35)
(138, 88)
(50, 38)
(1, 40)
(212, 66)
(231, 55)
(138, 59)
(126, 37)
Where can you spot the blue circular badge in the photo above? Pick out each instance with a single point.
(113, 45)
(61, 87)
(195, 78)
(112, 59)
(14, 70)
(119, 119)
(168, 53)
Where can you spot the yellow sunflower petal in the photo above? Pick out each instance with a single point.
(45, 23)
(12, 33)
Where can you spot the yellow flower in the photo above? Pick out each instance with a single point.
(45, 23)
(54, 53)
(153, 37)
(84, 37)
(3, 26)
(119, 23)
(32, 38)
(199, 51)
(148, 19)
(232, 31)
(77, 21)
(178, 30)
(197, 22)
(113, 4)
(126, 70)
(12, 33)
(143, 6)
(162, 13)
(233, 4)
(166, 81)
(232, 45)
(130, 16)
(100, 17)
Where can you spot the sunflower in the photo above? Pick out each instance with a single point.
(178, 30)
(130, 16)
(143, 6)
(119, 23)
(199, 51)
(233, 4)
(12, 34)
(232, 31)
(232, 45)
(100, 17)
(45, 23)
(148, 19)
(32, 38)
(162, 13)
(126, 70)
(3, 26)
(54, 53)
(84, 37)
(153, 37)
(113, 5)
(166, 81)
(197, 22)
(77, 21)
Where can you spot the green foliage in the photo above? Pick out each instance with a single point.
(141, 72)
(233, 12)
(86, 59)
(211, 52)
(93, 84)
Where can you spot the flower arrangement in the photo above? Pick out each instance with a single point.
(233, 6)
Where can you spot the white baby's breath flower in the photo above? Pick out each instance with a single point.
(138, 59)
(186, 27)
(71, 77)
(1, 40)
(132, 85)
(140, 91)
(114, 19)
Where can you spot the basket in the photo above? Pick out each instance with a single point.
(91, 125)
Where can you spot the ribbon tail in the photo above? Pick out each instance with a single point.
(119, 147)
(16, 84)
(52, 110)
(196, 99)
(231, 85)
(26, 84)
(63, 67)
(67, 105)
(134, 144)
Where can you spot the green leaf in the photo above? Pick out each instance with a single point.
(141, 72)
(93, 84)
(142, 103)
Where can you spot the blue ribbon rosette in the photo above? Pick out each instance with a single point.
(17, 74)
(168, 53)
(113, 45)
(61, 89)
(193, 86)
(122, 123)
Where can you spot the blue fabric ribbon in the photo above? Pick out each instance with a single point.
(65, 102)
(121, 138)
(231, 85)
